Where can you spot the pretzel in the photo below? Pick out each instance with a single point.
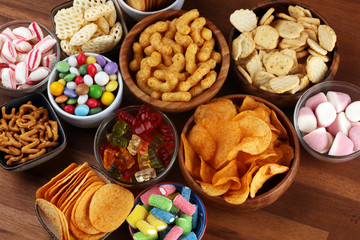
(26, 121)
(3, 125)
(46, 144)
(28, 107)
(48, 132)
(7, 116)
(11, 141)
(30, 147)
(54, 129)
(38, 154)
(12, 159)
(12, 125)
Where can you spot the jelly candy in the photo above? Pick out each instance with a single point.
(115, 172)
(142, 156)
(145, 175)
(123, 159)
(109, 157)
(164, 156)
(119, 128)
(134, 144)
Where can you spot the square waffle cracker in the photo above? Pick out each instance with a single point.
(85, 4)
(83, 35)
(99, 45)
(69, 49)
(67, 22)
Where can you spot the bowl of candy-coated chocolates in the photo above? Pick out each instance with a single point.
(168, 209)
(136, 146)
(85, 88)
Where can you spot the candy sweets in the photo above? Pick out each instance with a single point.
(86, 84)
(139, 146)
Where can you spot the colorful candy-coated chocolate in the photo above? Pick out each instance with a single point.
(107, 98)
(141, 236)
(70, 77)
(184, 205)
(184, 224)
(79, 80)
(82, 99)
(56, 88)
(88, 80)
(137, 214)
(174, 233)
(69, 109)
(113, 77)
(101, 60)
(157, 223)
(90, 59)
(62, 66)
(91, 102)
(186, 193)
(160, 202)
(72, 61)
(82, 89)
(62, 81)
(111, 68)
(95, 110)
(71, 101)
(91, 70)
(82, 110)
(189, 236)
(95, 91)
(111, 86)
(101, 78)
(71, 85)
(83, 69)
(81, 59)
(163, 215)
(145, 197)
(146, 228)
(70, 93)
(75, 71)
(98, 67)
(167, 189)
(61, 99)
(63, 74)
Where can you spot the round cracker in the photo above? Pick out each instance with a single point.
(316, 69)
(285, 17)
(243, 20)
(266, 16)
(279, 64)
(327, 37)
(288, 29)
(316, 54)
(284, 83)
(267, 37)
(314, 45)
(109, 207)
(247, 44)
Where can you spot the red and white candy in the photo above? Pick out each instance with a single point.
(8, 52)
(33, 59)
(22, 45)
(49, 61)
(21, 73)
(37, 31)
(39, 74)
(45, 44)
(7, 77)
(7, 34)
(23, 33)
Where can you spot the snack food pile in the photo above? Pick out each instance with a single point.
(330, 123)
(282, 53)
(88, 26)
(146, 5)
(235, 162)
(86, 84)
(81, 205)
(139, 147)
(26, 56)
(180, 58)
(165, 213)
(26, 133)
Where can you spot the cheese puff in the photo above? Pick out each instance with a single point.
(183, 40)
(167, 60)
(196, 27)
(178, 63)
(190, 57)
(159, 45)
(149, 50)
(211, 63)
(156, 95)
(144, 38)
(196, 90)
(170, 33)
(141, 81)
(197, 76)
(160, 74)
(184, 20)
(215, 55)
(138, 56)
(145, 71)
(206, 33)
(176, 97)
(170, 82)
(175, 47)
(206, 49)
(209, 80)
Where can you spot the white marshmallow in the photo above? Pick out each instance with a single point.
(354, 135)
(315, 100)
(341, 146)
(21, 73)
(353, 111)
(306, 120)
(37, 31)
(49, 61)
(24, 33)
(22, 45)
(341, 123)
(8, 52)
(340, 100)
(325, 113)
(7, 78)
(39, 74)
(45, 44)
(330, 142)
(33, 59)
(317, 140)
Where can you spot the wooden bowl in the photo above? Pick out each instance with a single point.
(273, 188)
(126, 55)
(285, 99)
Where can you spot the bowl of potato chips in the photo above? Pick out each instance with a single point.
(174, 60)
(239, 151)
(287, 50)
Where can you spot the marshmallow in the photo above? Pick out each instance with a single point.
(45, 44)
(21, 73)
(354, 135)
(341, 123)
(353, 111)
(37, 31)
(341, 146)
(49, 61)
(353, 124)
(39, 74)
(339, 100)
(306, 120)
(34, 58)
(330, 142)
(22, 45)
(317, 140)
(315, 100)
(7, 34)
(325, 113)
(24, 33)
(8, 52)
(7, 78)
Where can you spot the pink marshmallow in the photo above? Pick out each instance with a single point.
(24, 33)
(39, 74)
(45, 44)
(145, 197)
(354, 135)
(8, 52)
(7, 34)
(315, 100)
(33, 59)
(37, 31)
(167, 189)
(341, 123)
(341, 146)
(353, 124)
(340, 100)
(325, 113)
(317, 140)
(49, 61)
(353, 111)
(7, 78)
(21, 73)
(306, 120)
(22, 45)
(330, 142)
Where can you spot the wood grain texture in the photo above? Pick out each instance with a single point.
(323, 202)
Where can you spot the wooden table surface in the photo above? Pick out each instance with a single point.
(322, 203)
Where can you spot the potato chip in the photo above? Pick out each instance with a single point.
(98, 45)
(316, 54)
(206, 171)
(263, 174)
(249, 103)
(214, 191)
(227, 174)
(220, 108)
(244, 73)
(191, 159)
(278, 125)
(236, 48)
(314, 45)
(78, 234)
(247, 44)
(202, 143)
(263, 78)
(243, 20)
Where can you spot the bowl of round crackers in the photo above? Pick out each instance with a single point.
(239, 151)
(279, 56)
(174, 60)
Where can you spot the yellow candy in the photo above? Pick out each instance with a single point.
(62, 81)
(113, 77)
(137, 214)
(90, 59)
(111, 86)
(146, 228)
(56, 88)
(107, 98)
(157, 223)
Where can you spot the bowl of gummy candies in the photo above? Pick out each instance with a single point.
(167, 211)
(136, 146)
(327, 121)
(85, 88)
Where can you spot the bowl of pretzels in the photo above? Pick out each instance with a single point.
(174, 60)
(30, 133)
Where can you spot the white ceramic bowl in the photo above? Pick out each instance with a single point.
(138, 15)
(91, 120)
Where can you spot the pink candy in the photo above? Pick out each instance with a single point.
(45, 44)
(33, 59)
(339, 100)
(37, 31)
(317, 140)
(341, 146)
(167, 189)
(306, 120)
(174, 233)
(354, 135)
(145, 197)
(184, 205)
(315, 100)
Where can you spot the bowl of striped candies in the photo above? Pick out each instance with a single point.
(85, 88)
(167, 211)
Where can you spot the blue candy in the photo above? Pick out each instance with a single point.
(164, 232)
(163, 215)
(70, 93)
(186, 192)
(82, 110)
(195, 217)
(189, 236)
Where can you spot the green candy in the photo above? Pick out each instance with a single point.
(83, 69)
(71, 101)
(63, 74)
(95, 110)
(62, 66)
(95, 91)
(70, 77)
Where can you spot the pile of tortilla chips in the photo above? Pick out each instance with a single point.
(80, 205)
(231, 152)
